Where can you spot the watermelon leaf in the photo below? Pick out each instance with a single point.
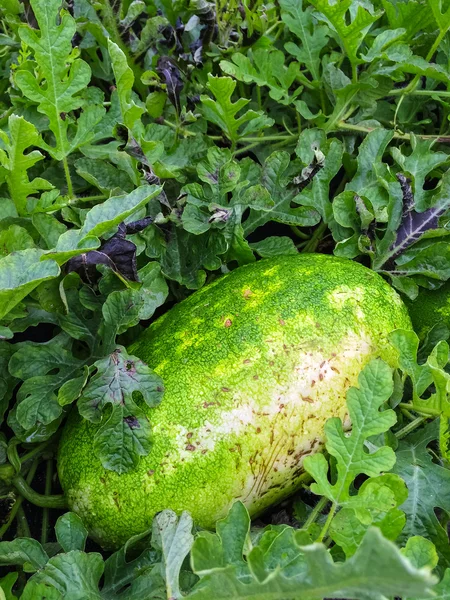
(16, 163)
(224, 113)
(279, 565)
(313, 37)
(70, 532)
(375, 388)
(350, 35)
(131, 110)
(65, 76)
(429, 486)
(20, 273)
(265, 69)
(173, 536)
(124, 435)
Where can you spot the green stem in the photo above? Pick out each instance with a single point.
(246, 148)
(437, 43)
(428, 93)
(272, 27)
(35, 452)
(23, 529)
(267, 138)
(315, 512)
(259, 140)
(258, 97)
(311, 246)
(278, 145)
(299, 233)
(68, 177)
(424, 411)
(305, 480)
(13, 454)
(48, 491)
(341, 114)
(325, 528)
(410, 427)
(408, 414)
(179, 129)
(412, 86)
(90, 198)
(22, 486)
(354, 73)
(399, 136)
(4, 116)
(4, 528)
(305, 82)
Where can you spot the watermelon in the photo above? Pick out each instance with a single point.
(253, 365)
(430, 308)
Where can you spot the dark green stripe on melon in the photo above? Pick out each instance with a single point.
(253, 366)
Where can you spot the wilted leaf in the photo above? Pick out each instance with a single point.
(275, 181)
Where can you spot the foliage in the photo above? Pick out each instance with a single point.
(145, 149)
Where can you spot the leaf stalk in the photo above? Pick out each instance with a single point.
(56, 501)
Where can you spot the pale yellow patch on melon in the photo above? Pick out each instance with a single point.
(293, 413)
(293, 418)
(271, 271)
(81, 500)
(190, 339)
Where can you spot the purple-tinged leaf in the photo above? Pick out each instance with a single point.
(414, 224)
(117, 253)
(174, 83)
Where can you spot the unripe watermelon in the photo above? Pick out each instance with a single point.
(253, 366)
(430, 308)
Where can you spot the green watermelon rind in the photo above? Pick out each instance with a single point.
(253, 365)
